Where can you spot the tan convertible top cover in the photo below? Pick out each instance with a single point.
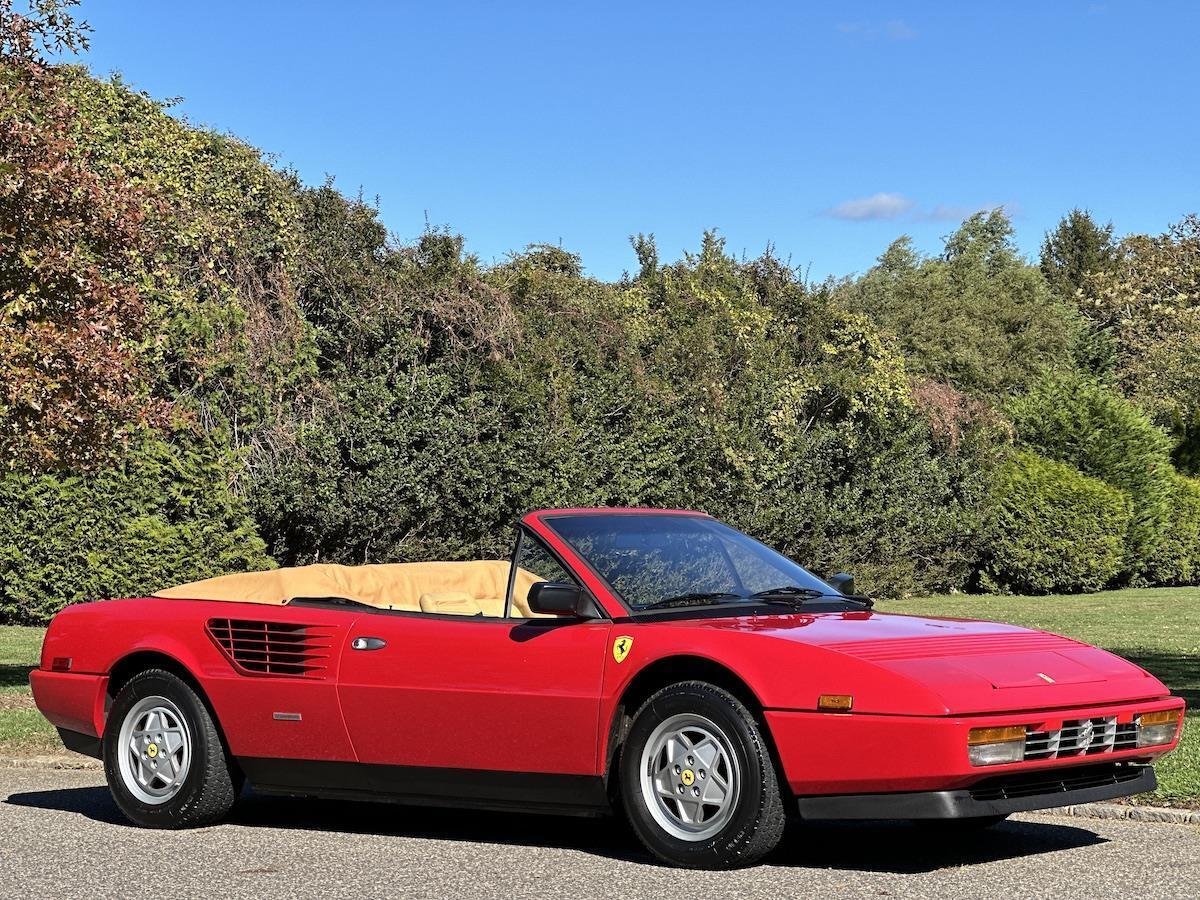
(387, 586)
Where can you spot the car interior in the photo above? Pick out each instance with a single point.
(474, 588)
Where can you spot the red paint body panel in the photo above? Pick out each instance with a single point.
(97, 636)
(476, 693)
(507, 696)
(968, 667)
(71, 701)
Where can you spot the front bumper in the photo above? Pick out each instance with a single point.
(840, 754)
(1000, 795)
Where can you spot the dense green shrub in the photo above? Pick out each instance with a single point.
(1080, 422)
(463, 398)
(978, 317)
(166, 516)
(279, 377)
(1176, 559)
(1052, 529)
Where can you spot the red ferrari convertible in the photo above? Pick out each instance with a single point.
(660, 663)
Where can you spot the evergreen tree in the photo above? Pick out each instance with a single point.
(1076, 247)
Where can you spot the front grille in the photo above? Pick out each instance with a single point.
(273, 648)
(1012, 787)
(1081, 737)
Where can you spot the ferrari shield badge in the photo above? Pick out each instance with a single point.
(621, 647)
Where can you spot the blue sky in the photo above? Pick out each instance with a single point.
(827, 129)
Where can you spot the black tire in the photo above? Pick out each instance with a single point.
(754, 826)
(211, 784)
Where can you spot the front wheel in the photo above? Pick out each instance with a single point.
(697, 780)
(163, 757)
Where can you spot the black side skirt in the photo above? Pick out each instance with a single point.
(992, 797)
(581, 795)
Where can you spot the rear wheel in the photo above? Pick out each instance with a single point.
(697, 780)
(163, 756)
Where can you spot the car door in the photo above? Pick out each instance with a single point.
(477, 694)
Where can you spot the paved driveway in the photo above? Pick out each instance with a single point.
(61, 836)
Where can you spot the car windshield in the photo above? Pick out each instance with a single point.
(665, 561)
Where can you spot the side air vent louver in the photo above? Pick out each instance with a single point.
(273, 648)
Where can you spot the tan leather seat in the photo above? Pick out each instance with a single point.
(451, 603)
(404, 586)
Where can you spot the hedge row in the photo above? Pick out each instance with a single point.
(1053, 529)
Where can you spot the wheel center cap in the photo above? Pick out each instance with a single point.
(687, 777)
(152, 751)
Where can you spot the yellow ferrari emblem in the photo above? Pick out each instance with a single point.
(152, 751)
(688, 777)
(621, 647)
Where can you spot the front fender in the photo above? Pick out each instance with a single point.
(779, 674)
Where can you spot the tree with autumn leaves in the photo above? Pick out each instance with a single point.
(72, 247)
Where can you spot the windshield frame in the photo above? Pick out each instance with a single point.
(832, 601)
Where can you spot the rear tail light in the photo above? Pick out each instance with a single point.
(60, 664)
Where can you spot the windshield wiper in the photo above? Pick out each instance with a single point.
(789, 590)
(795, 596)
(694, 598)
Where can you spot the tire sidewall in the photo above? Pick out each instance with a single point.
(175, 810)
(725, 711)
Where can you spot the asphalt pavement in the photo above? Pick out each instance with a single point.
(62, 836)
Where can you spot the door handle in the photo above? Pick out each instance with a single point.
(368, 643)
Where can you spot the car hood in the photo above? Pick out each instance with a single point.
(971, 666)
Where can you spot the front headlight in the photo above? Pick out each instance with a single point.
(996, 746)
(1156, 728)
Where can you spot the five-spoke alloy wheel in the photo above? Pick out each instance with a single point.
(164, 759)
(697, 780)
(154, 752)
(690, 777)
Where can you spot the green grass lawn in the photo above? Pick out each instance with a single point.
(22, 728)
(1158, 628)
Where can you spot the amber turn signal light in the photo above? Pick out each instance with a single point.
(996, 746)
(1161, 717)
(835, 702)
(1157, 728)
(979, 736)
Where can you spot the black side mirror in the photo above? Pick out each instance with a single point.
(559, 599)
(842, 582)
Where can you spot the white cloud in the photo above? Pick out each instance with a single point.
(886, 205)
(873, 208)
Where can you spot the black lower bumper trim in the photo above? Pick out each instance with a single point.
(992, 797)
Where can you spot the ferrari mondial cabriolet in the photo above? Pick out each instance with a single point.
(658, 663)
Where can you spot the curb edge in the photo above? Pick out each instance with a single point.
(1156, 814)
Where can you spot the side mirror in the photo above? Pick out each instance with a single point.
(558, 599)
(842, 582)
